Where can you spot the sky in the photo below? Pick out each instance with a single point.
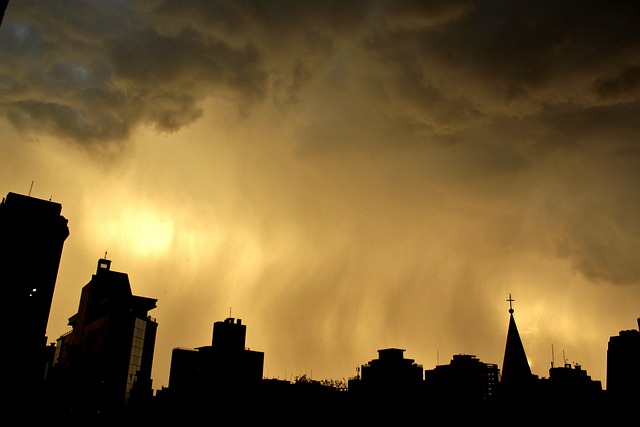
(341, 176)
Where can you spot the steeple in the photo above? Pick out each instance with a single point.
(515, 366)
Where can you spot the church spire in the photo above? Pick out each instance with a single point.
(515, 366)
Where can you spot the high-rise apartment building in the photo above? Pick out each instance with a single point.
(623, 365)
(464, 380)
(217, 370)
(32, 235)
(105, 361)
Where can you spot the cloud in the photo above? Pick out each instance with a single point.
(625, 83)
(443, 65)
(477, 97)
(94, 84)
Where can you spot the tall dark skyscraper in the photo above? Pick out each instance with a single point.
(32, 235)
(104, 363)
(623, 365)
(3, 9)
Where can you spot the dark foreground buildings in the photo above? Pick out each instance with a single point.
(104, 363)
(221, 371)
(99, 373)
(32, 236)
(396, 390)
(623, 366)
(223, 382)
(465, 380)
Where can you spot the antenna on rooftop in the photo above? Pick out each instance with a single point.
(552, 356)
(30, 188)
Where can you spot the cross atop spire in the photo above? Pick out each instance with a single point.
(510, 304)
(515, 366)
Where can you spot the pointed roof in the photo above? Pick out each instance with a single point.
(515, 366)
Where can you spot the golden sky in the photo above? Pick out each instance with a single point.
(342, 176)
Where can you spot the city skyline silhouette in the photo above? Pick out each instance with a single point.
(289, 373)
(95, 370)
(511, 330)
(344, 178)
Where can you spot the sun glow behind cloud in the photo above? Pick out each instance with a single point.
(140, 231)
(149, 234)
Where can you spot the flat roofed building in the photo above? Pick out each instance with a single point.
(32, 236)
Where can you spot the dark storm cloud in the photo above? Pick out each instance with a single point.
(531, 42)
(510, 58)
(446, 64)
(92, 76)
(622, 84)
(580, 167)
(600, 176)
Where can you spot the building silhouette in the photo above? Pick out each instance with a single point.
(567, 397)
(390, 371)
(32, 236)
(464, 380)
(389, 386)
(217, 380)
(3, 9)
(623, 366)
(104, 363)
(571, 384)
(516, 372)
(219, 367)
